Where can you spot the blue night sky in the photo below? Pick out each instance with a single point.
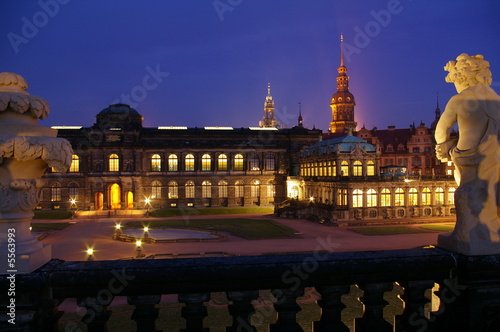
(207, 63)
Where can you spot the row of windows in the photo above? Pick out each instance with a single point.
(222, 163)
(370, 198)
(206, 189)
(329, 168)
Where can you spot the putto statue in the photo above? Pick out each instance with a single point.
(475, 154)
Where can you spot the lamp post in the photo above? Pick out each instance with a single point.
(90, 254)
(138, 244)
(146, 234)
(147, 201)
(118, 231)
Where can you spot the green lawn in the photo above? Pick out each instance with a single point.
(209, 211)
(249, 229)
(43, 227)
(387, 230)
(439, 228)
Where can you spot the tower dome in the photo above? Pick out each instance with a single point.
(119, 116)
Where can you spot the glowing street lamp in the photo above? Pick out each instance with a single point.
(148, 204)
(138, 244)
(146, 233)
(90, 254)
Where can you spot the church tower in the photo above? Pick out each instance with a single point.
(342, 102)
(268, 120)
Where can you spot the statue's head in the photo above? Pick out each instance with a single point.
(468, 70)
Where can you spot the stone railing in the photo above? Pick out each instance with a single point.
(468, 289)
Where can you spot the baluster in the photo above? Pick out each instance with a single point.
(97, 314)
(413, 317)
(241, 310)
(49, 314)
(374, 303)
(145, 312)
(194, 312)
(287, 309)
(331, 308)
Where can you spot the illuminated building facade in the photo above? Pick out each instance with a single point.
(119, 164)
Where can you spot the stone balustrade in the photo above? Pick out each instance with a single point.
(469, 290)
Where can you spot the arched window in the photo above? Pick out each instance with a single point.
(114, 163)
(189, 163)
(156, 163)
(255, 163)
(371, 198)
(270, 162)
(357, 198)
(206, 163)
(451, 196)
(173, 164)
(239, 189)
(155, 189)
(75, 164)
(223, 189)
(206, 189)
(222, 162)
(426, 196)
(238, 162)
(173, 190)
(412, 197)
(439, 196)
(399, 197)
(357, 168)
(73, 191)
(344, 168)
(55, 192)
(342, 197)
(255, 189)
(385, 197)
(189, 189)
(370, 168)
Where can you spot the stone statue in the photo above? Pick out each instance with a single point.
(26, 150)
(475, 154)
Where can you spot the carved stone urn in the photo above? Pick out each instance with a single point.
(26, 150)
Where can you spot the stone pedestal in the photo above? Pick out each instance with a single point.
(26, 150)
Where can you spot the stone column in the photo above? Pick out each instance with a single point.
(26, 150)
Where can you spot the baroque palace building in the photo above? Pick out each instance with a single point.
(372, 173)
(389, 173)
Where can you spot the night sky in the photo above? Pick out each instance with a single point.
(207, 63)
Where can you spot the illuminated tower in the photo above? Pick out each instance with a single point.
(268, 120)
(342, 102)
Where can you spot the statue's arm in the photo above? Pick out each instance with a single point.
(443, 129)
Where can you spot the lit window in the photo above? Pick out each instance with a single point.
(155, 189)
(55, 192)
(370, 168)
(399, 197)
(271, 190)
(270, 162)
(156, 163)
(238, 162)
(426, 196)
(412, 197)
(206, 163)
(342, 197)
(114, 163)
(222, 162)
(75, 164)
(255, 163)
(385, 197)
(344, 168)
(334, 168)
(357, 198)
(190, 189)
(439, 196)
(189, 163)
(173, 163)
(451, 196)
(206, 189)
(371, 198)
(239, 189)
(357, 168)
(173, 190)
(222, 189)
(255, 189)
